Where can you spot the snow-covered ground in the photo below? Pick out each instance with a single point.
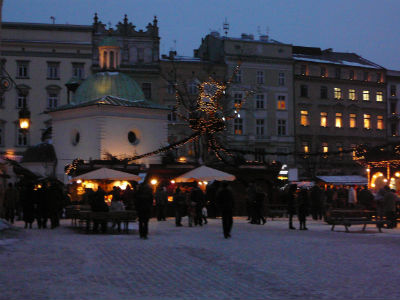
(258, 262)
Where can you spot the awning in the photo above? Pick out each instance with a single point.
(107, 174)
(344, 180)
(204, 173)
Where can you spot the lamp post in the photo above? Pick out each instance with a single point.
(24, 118)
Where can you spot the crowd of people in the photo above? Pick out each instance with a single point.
(45, 201)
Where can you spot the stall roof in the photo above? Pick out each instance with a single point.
(204, 173)
(108, 174)
(344, 179)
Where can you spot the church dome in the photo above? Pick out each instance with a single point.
(104, 84)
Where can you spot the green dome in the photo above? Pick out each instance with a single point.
(109, 41)
(108, 84)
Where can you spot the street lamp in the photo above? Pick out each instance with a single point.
(24, 117)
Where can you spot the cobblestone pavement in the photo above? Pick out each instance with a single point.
(258, 262)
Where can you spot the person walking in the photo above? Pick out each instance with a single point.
(303, 208)
(179, 206)
(389, 207)
(226, 202)
(10, 202)
(28, 204)
(291, 203)
(143, 204)
(197, 201)
(259, 206)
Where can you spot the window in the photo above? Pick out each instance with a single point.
(192, 88)
(305, 147)
(22, 69)
(78, 70)
(281, 105)
(351, 75)
(172, 113)
(260, 101)
(238, 76)
(281, 79)
(304, 120)
(259, 127)
(393, 107)
(366, 75)
(237, 100)
(378, 77)
(367, 121)
(303, 69)
(323, 72)
(53, 70)
(339, 148)
(52, 101)
(338, 120)
(353, 153)
(171, 88)
(260, 77)
(337, 92)
(393, 90)
(366, 95)
(140, 54)
(259, 154)
(379, 96)
(281, 127)
(238, 126)
(352, 94)
(337, 73)
(325, 148)
(352, 120)
(22, 100)
(324, 92)
(393, 129)
(22, 138)
(324, 119)
(146, 88)
(303, 90)
(379, 123)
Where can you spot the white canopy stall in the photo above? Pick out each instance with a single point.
(204, 173)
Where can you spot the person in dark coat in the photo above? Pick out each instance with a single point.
(197, 200)
(161, 202)
(316, 202)
(225, 202)
(143, 204)
(366, 198)
(303, 204)
(179, 206)
(10, 202)
(291, 203)
(211, 191)
(128, 198)
(54, 201)
(41, 212)
(97, 204)
(28, 205)
(259, 206)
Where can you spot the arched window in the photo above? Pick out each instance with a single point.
(111, 60)
(104, 59)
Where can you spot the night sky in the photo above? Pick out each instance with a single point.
(369, 28)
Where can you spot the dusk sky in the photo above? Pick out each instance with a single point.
(369, 28)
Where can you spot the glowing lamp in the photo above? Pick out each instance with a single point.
(368, 170)
(153, 181)
(79, 181)
(182, 159)
(24, 117)
(205, 182)
(173, 181)
(385, 180)
(397, 174)
(200, 183)
(373, 185)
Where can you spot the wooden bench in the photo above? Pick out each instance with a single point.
(72, 212)
(348, 217)
(125, 217)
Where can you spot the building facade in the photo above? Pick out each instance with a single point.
(393, 105)
(262, 88)
(41, 59)
(340, 102)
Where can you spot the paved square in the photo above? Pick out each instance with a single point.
(258, 262)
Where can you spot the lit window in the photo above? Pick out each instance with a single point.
(367, 121)
(260, 77)
(260, 101)
(304, 121)
(281, 102)
(281, 79)
(238, 126)
(281, 127)
(340, 150)
(237, 100)
(306, 147)
(366, 95)
(325, 147)
(260, 127)
(379, 123)
(353, 120)
(353, 152)
(338, 120)
(324, 119)
(379, 96)
(352, 94)
(337, 93)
